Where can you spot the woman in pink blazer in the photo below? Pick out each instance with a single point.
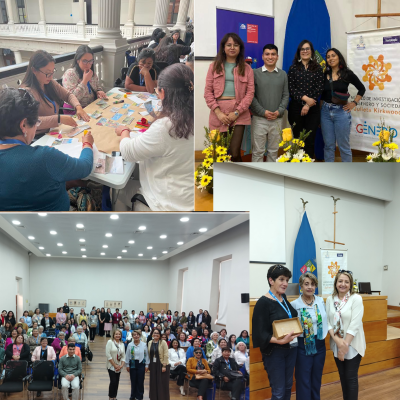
(229, 91)
(43, 352)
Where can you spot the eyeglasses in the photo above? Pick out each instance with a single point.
(86, 62)
(305, 49)
(48, 75)
(230, 45)
(343, 270)
(278, 266)
(38, 122)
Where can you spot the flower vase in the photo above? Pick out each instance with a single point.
(210, 189)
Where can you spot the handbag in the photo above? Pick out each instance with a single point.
(337, 97)
(234, 375)
(89, 355)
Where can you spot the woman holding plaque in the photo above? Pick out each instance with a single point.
(279, 355)
(311, 350)
(345, 311)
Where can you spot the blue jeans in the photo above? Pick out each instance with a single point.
(137, 380)
(308, 371)
(335, 125)
(279, 366)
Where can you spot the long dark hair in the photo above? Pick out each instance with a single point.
(80, 52)
(157, 35)
(178, 103)
(165, 47)
(221, 56)
(344, 71)
(312, 64)
(40, 59)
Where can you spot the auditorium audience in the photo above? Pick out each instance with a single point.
(44, 352)
(11, 318)
(232, 342)
(223, 334)
(175, 35)
(12, 337)
(60, 317)
(80, 336)
(70, 368)
(18, 350)
(196, 343)
(108, 323)
(241, 354)
(177, 362)
(244, 337)
(212, 345)
(27, 319)
(34, 340)
(81, 317)
(217, 352)
(198, 373)
(37, 316)
(64, 350)
(191, 320)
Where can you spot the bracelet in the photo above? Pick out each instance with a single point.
(355, 102)
(126, 130)
(88, 144)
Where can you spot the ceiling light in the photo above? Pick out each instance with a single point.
(149, 248)
(179, 243)
(142, 228)
(108, 234)
(82, 240)
(165, 252)
(140, 255)
(59, 244)
(83, 256)
(119, 257)
(102, 254)
(31, 237)
(154, 258)
(105, 246)
(131, 242)
(48, 255)
(203, 230)
(41, 248)
(80, 226)
(114, 216)
(163, 236)
(15, 222)
(185, 219)
(53, 233)
(42, 214)
(83, 249)
(124, 251)
(64, 252)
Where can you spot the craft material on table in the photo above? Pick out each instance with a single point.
(110, 93)
(104, 106)
(102, 101)
(136, 99)
(112, 124)
(71, 132)
(130, 112)
(96, 114)
(116, 117)
(149, 107)
(71, 147)
(118, 101)
(106, 164)
(101, 121)
(127, 120)
(118, 96)
(116, 109)
(125, 106)
(144, 113)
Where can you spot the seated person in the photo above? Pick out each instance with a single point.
(244, 337)
(205, 337)
(27, 319)
(145, 333)
(44, 183)
(61, 318)
(156, 36)
(165, 338)
(126, 335)
(183, 321)
(34, 340)
(44, 352)
(176, 37)
(195, 344)
(222, 343)
(177, 361)
(137, 325)
(169, 52)
(170, 335)
(20, 331)
(6, 329)
(222, 368)
(22, 324)
(18, 350)
(47, 322)
(142, 75)
(11, 338)
(81, 80)
(49, 93)
(41, 331)
(200, 329)
(64, 350)
(69, 368)
(241, 354)
(85, 328)
(164, 325)
(80, 337)
(183, 342)
(193, 335)
(174, 325)
(198, 373)
(223, 334)
(59, 342)
(34, 326)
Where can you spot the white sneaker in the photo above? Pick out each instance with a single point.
(182, 391)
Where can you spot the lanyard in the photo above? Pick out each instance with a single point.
(12, 141)
(90, 89)
(141, 78)
(285, 308)
(52, 102)
(43, 352)
(228, 364)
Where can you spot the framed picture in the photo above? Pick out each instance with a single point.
(112, 304)
(77, 303)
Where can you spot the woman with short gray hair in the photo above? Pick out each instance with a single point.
(311, 351)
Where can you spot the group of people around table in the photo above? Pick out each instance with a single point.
(239, 96)
(165, 150)
(304, 354)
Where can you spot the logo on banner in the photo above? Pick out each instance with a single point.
(391, 39)
(333, 269)
(361, 44)
(374, 130)
(339, 255)
(307, 267)
(377, 72)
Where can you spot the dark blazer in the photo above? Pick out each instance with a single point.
(12, 320)
(65, 309)
(197, 319)
(220, 368)
(43, 322)
(200, 331)
(108, 318)
(24, 355)
(191, 321)
(207, 320)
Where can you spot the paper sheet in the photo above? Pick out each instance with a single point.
(136, 99)
(144, 113)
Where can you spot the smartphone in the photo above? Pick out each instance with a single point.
(124, 90)
(116, 154)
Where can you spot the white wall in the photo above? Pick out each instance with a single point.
(198, 280)
(135, 283)
(14, 263)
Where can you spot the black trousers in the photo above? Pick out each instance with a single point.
(235, 386)
(101, 329)
(92, 333)
(309, 122)
(348, 372)
(202, 386)
(114, 383)
(180, 370)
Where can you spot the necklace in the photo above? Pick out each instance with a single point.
(305, 301)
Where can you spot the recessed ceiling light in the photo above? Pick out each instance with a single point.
(114, 216)
(53, 233)
(131, 242)
(83, 256)
(80, 226)
(154, 258)
(179, 243)
(41, 248)
(140, 255)
(102, 254)
(31, 237)
(59, 244)
(165, 252)
(119, 257)
(105, 246)
(185, 219)
(64, 252)
(82, 240)
(142, 228)
(48, 255)
(163, 236)
(203, 230)
(108, 234)
(42, 214)
(83, 249)
(149, 248)
(124, 251)
(15, 222)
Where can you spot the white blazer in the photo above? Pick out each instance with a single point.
(299, 303)
(166, 166)
(352, 314)
(51, 354)
(174, 357)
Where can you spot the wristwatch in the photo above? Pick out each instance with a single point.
(237, 113)
(355, 102)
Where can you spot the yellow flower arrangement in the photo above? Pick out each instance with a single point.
(205, 180)
(221, 159)
(384, 135)
(287, 135)
(294, 160)
(221, 150)
(287, 148)
(385, 146)
(376, 143)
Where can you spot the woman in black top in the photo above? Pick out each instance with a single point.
(102, 320)
(176, 37)
(279, 355)
(169, 52)
(11, 317)
(207, 319)
(336, 111)
(306, 80)
(156, 36)
(191, 320)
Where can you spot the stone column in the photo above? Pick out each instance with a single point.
(191, 10)
(182, 16)
(130, 24)
(109, 36)
(42, 22)
(161, 14)
(81, 23)
(10, 12)
(18, 57)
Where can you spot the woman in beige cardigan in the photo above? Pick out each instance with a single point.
(345, 311)
(159, 367)
(115, 353)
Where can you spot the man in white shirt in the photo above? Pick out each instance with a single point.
(132, 318)
(199, 317)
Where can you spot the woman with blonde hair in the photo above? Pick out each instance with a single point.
(115, 353)
(345, 311)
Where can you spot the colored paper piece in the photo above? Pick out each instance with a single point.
(102, 101)
(116, 117)
(130, 112)
(136, 99)
(144, 113)
(115, 109)
(74, 131)
(104, 106)
(111, 124)
(125, 106)
(97, 114)
(127, 120)
(118, 96)
(102, 121)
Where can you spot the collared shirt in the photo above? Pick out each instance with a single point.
(73, 355)
(263, 69)
(141, 352)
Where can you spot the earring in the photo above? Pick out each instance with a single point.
(299, 59)
(25, 135)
